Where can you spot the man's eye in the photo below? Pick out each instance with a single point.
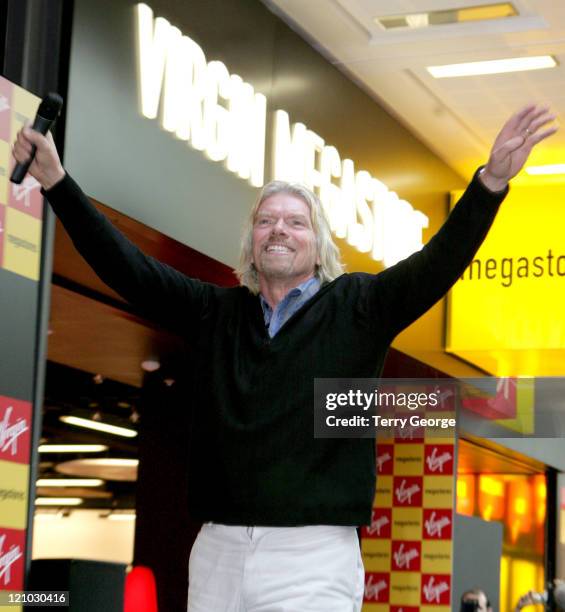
(297, 223)
(263, 222)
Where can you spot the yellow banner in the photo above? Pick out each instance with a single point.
(405, 588)
(505, 314)
(13, 494)
(22, 244)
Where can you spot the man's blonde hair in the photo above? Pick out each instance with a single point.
(330, 266)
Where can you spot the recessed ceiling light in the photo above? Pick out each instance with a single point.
(58, 501)
(69, 482)
(121, 516)
(547, 169)
(150, 365)
(511, 64)
(109, 462)
(48, 515)
(72, 448)
(134, 416)
(98, 426)
(107, 468)
(498, 10)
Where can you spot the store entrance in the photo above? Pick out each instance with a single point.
(495, 484)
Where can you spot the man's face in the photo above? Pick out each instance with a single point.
(284, 243)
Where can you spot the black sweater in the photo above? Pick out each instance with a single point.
(254, 397)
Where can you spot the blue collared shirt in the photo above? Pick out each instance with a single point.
(292, 301)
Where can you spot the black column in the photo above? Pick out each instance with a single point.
(164, 532)
(35, 47)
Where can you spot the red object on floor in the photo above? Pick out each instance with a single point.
(140, 591)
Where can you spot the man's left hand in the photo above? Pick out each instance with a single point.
(514, 143)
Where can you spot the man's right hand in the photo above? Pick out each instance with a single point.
(46, 167)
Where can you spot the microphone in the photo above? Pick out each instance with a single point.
(47, 112)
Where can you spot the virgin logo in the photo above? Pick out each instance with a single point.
(382, 459)
(9, 434)
(373, 590)
(7, 559)
(433, 527)
(24, 191)
(433, 592)
(403, 558)
(404, 494)
(435, 462)
(377, 525)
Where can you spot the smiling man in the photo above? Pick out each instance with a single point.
(284, 244)
(280, 508)
(287, 251)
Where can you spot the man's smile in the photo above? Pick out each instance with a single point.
(278, 248)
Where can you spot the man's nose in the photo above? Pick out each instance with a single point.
(279, 227)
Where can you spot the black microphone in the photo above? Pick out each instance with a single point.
(47, 112)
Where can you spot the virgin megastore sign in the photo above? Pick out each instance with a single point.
(221, 115)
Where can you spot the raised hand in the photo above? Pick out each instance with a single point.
(514, 143)
(46, 167)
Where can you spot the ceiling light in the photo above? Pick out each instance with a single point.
(121, 516)
(105, 462)
(418, 20)
(72, 448)
(547, 169)
(499, 10)
(113, 462)
(150, 365)
(105, 468)
(134, 416)
(48, 515)
(512, 64)
(69, 482)
(98, 426)
(58, 501)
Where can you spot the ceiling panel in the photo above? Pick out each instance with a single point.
(459, 117)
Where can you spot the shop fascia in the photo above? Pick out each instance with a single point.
(174, 74)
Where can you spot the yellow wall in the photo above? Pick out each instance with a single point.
(506, 314)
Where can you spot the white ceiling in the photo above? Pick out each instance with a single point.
(458, 117)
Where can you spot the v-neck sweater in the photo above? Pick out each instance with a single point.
(254, 459)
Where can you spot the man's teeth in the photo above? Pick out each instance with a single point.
(277, 248)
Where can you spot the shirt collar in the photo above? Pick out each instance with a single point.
(312, 284)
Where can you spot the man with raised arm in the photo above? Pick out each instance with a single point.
(280, 507)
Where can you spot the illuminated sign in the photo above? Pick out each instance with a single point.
(360, 208)
(217, 113)
(221, 115)
(505, 313)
